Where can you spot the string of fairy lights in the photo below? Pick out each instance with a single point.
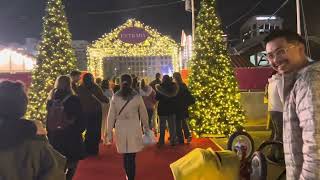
(217, 109)
(109, 45)
(56, 57)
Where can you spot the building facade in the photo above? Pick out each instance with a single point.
(80, 48)
(252, 33)
(16, 61)
(186, 50)
(30, 47)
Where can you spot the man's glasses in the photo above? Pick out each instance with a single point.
(278, 53)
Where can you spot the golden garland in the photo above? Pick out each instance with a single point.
(110, 46)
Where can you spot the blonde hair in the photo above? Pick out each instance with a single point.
(63, 82)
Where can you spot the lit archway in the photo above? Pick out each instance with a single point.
(111, 45)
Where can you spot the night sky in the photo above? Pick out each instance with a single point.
(23, 18)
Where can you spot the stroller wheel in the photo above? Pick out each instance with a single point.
(241, 138)
(258, 166)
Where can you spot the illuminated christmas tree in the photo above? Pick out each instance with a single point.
(212, 82)
(56, 57)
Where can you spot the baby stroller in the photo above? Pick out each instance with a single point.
(267, 162)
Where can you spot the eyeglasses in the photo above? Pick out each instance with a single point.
(279, 52)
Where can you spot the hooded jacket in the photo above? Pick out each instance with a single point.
(166, 95)
(275, 89)
(23, 155)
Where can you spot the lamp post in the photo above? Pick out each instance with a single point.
(193, 20)
(298, 17)
(189, 5)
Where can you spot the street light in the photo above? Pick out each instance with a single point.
(298, 17)
(189, 5)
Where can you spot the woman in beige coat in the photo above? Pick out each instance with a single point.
(126, 110)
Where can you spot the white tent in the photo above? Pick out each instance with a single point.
(12, 61)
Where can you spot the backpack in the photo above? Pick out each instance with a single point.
(57, 119)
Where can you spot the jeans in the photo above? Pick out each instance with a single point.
(129, 163)
(150, 113)
(186, 129)
(181, 124)
(171, 126)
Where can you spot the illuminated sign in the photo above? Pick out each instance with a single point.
(133, 35)
(261, 18)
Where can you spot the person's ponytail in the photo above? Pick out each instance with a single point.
(126, 83)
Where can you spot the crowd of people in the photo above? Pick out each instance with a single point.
(82, 112)
(80, 115)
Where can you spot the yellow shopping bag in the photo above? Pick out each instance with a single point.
(205, 164)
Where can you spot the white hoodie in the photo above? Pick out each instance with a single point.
(275, 93)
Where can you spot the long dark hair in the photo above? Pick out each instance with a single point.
(177, 77)
(125, 87)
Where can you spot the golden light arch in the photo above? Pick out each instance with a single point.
(109, 45)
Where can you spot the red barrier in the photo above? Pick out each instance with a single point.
(249, 78)
(184, 75)
(253, 78)
(25, 77)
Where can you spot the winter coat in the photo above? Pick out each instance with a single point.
(148, 97)
(128, 131)
(275, 93)
(166, 95)
(69, 141)
(301, 123)
(25, 156)
(89, 103)
(184, 100)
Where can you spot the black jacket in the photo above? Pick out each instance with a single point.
(166, 95)
(69, 141)
(184, 99)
